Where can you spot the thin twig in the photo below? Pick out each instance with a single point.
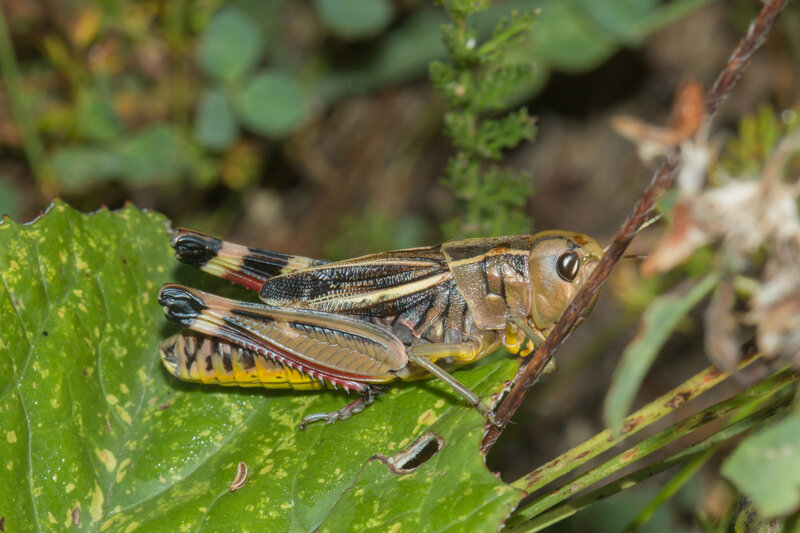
(527, 376)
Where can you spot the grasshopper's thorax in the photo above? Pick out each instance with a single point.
(493, 276)
(521, 277)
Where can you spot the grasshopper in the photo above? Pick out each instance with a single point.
(363, 322)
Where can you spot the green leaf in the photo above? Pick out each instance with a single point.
(80, 166)
(568, 40)
(215, 125)
(155, 154)
(92, 426)
(620, 18)
(766, 468)
(355, 19)
(230, 46)
(272, 104)
(657, 323)
(96, 118)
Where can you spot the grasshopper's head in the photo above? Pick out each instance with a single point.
(560, 262)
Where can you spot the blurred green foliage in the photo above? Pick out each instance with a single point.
(477, 80)
(759, 133)
(164, 97)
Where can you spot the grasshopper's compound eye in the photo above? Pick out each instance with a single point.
(567, 266)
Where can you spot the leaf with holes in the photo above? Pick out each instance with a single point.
(94, 432)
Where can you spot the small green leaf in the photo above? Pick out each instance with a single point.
(230, 46)
(96, 118)
(215, 125)
(80, 166)
(272, 104)
(355, 19)
(155, 154)
(568, 40)
(620, 18)
(766, 468)
(657, 323)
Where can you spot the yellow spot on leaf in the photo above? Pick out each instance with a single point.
(70, 487)
(96, 508)
(123, 414)
(111, 399)
(11, 436)
(108, 459)
(55, 403)
(51, 518)
(131, 527)
(10, 465)
(427, 418)
(122, 469)
(68, 522)
(124, 388)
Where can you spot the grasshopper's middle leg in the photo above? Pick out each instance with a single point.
(424, 355)
(345, 412)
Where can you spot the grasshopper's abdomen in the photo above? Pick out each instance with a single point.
(201, 359)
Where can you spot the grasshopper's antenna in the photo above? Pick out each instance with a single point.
(652, 220)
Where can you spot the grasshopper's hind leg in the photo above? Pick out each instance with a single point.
(345, 412)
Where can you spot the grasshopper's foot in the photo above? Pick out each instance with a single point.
(484, 409)
(342, 414)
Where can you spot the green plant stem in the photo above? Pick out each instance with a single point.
(31, 143)
(634, 423)
(695, 455)
(739, 407)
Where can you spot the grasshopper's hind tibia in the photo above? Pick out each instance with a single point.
(243, 265)
(345, 412)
